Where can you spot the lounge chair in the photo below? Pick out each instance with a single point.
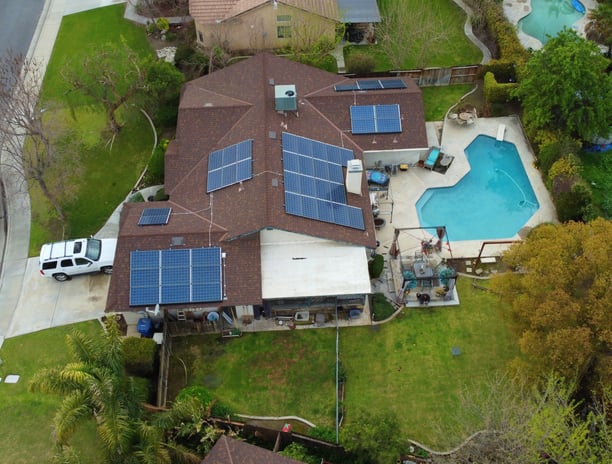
(432, 157)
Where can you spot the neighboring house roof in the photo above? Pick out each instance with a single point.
(359, 11)
(214, 11)
(230, 106)
(230, 451)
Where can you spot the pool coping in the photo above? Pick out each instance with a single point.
(515, 10)
(407, 187)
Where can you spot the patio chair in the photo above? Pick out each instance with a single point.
(432, 157)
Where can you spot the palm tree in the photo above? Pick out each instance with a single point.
(94, 386)
(599, 29)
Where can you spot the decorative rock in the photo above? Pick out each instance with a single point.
(167, 53)
(478, 271)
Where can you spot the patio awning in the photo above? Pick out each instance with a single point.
(358, 11)
(296, 266)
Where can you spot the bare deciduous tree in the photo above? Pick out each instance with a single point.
(112, 75)
(28, 139)
(411, 32)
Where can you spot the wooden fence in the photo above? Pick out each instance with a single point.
(428, 77)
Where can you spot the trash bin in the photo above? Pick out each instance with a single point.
(145, 327)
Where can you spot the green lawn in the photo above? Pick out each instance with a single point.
(597, 171)
(403, 366)
(456, 50)
(26, 418)
(105, 175)
(438, 100)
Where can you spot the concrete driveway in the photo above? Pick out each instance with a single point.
(46, 303)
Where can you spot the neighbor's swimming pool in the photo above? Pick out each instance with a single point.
(548, 17)
(493, 201)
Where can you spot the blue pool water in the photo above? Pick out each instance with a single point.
(493, 201)
(548, 17)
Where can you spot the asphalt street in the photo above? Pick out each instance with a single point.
(18, 20)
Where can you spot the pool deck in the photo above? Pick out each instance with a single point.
(515, 10)
(407, 187)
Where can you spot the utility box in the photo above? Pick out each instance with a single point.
(285, 98)
(354, 173)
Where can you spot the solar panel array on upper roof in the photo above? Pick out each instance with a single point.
(375, 119)
(154, 216)
(230, 165)
(371, 84)
(173, 276)
(314, 181)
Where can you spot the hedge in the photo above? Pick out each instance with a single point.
(139, 355)
(494, 92)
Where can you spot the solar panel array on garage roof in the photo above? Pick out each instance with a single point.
(154, 216)
(375, 119)
(173, 276)
(314, 181)
(230, 165)
(371, 84)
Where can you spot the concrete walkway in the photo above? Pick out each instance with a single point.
(16, 267)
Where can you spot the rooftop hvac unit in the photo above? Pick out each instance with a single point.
(354, 171)
(285, 98)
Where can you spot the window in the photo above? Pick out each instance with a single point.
(66, 263)
(49, 265)
(200, 36)
(283, 32)
(82, 262)
(283, 18)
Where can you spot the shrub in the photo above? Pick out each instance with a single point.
(495, 92)
(136, 198)
(160, 195)
(207, 400)
(323, 433)
(162, 24)
(568, 167)
(376, 266)
(139, 355)
(381, 307)
(156, 166)
(360, 63)
(575, 204)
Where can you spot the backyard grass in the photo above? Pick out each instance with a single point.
(404, 366)
(105, 175)
(457, 49)
(597, 171)
(437, 100)
(26, 418)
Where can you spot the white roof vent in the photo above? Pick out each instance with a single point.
(285, 98)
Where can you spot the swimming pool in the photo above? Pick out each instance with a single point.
(493, 201)
(548, 17)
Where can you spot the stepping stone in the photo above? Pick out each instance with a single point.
(12, 378)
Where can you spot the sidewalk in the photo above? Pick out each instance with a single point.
(16, 214)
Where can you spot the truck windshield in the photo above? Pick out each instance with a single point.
(94, 247)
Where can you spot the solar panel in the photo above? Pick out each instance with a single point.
(314, 181)
(230, 165)
(154, 216)
(369, 85)
(375, 119)
(345, 87)
(175, 276)
(393, 84)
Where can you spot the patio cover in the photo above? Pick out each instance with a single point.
(359, 11)
(294, 266)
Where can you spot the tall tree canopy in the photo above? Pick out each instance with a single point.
(560, 299)
(565, 86)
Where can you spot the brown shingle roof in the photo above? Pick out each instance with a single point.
(212, 11)
(230, 451)
(227, 107)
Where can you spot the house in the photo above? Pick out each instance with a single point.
(276, 24)
(231, 451)
(268, 209)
